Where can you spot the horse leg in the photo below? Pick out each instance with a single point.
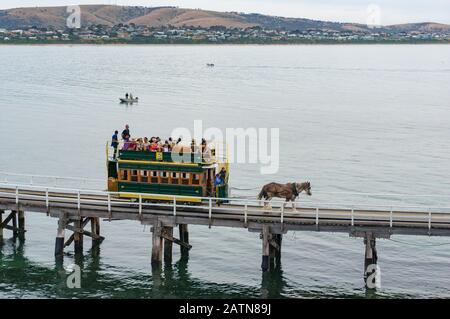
(269, 205)
(265, 202)
(294, 207)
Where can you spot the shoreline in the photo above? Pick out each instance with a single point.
(132, 43)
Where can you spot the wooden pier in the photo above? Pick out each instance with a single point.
(77, 208)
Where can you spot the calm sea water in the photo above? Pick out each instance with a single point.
(371, 119)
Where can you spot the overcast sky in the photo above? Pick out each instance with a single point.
(392, 11)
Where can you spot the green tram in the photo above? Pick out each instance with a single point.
(156, 173)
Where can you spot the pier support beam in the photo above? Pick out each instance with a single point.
(370, 260)
(21, 220)
(168, 245)
(78, 236)
(265, 266)
(184, 237)
(59, 242)
(157, 244)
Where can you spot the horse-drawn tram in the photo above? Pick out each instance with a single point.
(182, 173)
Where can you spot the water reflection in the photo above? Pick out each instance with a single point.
(169, 280)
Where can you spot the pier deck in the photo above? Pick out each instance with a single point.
(83, 206)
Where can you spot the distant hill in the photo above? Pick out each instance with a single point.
(171, 16)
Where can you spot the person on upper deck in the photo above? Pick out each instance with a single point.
(218, 180)
(126, 133)
(166, 146)
(223, 174)
(153, 146)
(115, 143)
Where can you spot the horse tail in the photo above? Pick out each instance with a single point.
(262, 194)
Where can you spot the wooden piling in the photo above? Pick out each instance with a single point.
(21, 220)
(184, 237)
(265, 266)
(14, 222)
(157, 244)
(59, 242)
(78, 236)
(371, 256)
(95, 231)
(168, 245)
(275, 250)
(1, 226)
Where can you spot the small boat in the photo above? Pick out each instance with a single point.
(210, 65)
(135, 100)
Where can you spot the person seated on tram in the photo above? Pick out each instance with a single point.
(139, 144)
(153, 146)
(166, 146)
(146, 145)
(132, 145)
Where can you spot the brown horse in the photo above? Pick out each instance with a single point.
(289, 191)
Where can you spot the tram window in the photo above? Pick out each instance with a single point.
(174, 178)
(195, 179)
(154, 177)
(134, 175)
(144, 176)
(164, 177)
(185, 178)
(124, 175)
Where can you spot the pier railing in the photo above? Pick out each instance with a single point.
(235, 208)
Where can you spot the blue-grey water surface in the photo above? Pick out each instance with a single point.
(371, 119)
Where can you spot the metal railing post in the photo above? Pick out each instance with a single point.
(46, 198)
(353, 216)
(17, 195)
(109, 203)
(429, 219)
(79, 200)
(391, 218)
(210, 212)
(245, 214)
(317, 216)
(174, 206)
(140, 205)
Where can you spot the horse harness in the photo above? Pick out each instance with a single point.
(294, 189)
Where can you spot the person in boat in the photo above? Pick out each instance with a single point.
(126, 96)
(131, 96)
(115, 143)
(126, 133)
